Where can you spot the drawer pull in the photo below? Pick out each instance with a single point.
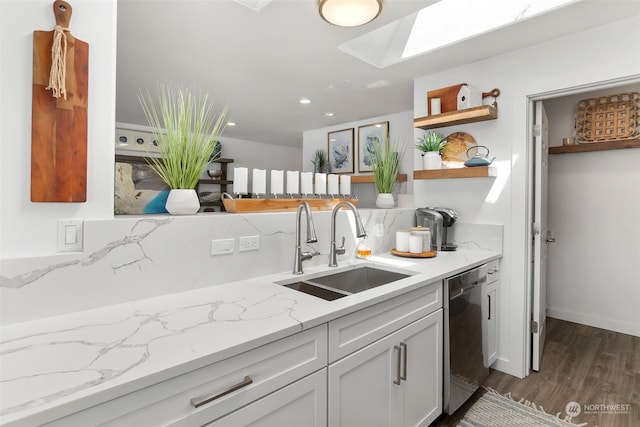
(398, 361)
(199, 401)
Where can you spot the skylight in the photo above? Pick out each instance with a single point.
(442, 24)
(450, 21)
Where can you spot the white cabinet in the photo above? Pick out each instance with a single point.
(396, 381)
(490, 292)
(224, 386)
(303, 403)
(392, 378)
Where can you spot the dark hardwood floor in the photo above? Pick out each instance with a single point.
(590, 366)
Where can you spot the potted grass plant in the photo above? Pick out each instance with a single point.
(385, 161)
(320, 163)
(187, 128)
(431, 145)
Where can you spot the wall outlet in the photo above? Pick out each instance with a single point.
(223, 246)
(249, 243)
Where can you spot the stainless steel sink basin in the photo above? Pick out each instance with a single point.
(359, 279)
(336, 285)
(316, 291)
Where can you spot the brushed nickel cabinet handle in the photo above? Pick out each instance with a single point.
(398, 360)
(199, 401)
(403, 346)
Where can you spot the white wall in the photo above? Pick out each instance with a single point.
(400, 129)
(31, 228)
(594, 206)
(550, 66)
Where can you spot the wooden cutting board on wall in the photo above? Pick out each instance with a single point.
(59, 125)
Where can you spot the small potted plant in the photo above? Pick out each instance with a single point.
(385, 161)
(431, 145)
(187, 130)
(319, 161)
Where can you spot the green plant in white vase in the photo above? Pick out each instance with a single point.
(431, 144)
(385, 161)
(187, 128)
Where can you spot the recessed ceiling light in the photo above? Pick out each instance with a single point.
(305, 101)
(328, 114)
(231, 123)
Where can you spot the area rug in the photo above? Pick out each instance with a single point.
(496, 410)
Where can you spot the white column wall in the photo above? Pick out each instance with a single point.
(547, 67)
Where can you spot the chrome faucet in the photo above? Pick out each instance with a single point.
(360, 232)
(311, 237)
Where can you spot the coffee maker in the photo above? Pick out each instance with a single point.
(439, 220)
(449, 217)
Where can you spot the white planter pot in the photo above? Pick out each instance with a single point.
(385, 201)
(431, 160)
(182, 202)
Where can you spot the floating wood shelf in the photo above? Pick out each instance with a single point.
(368, 179)
(595, 146)
(280, 205)
(469, 115)
(474, 172)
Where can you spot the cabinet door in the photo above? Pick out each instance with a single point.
(490, 323)
(360, 386)
(396, 381)
(421, 342)
(303, 404)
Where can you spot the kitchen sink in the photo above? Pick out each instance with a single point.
(316, 291)
(337, 285)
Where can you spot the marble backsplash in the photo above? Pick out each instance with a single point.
(132, 258)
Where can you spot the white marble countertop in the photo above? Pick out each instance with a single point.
(53, 367)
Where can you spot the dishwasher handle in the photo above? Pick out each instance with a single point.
(466, 289)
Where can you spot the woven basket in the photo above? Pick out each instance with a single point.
(608, 118)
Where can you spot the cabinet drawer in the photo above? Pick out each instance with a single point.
(354, 331)
(169, 403)
(303, 403)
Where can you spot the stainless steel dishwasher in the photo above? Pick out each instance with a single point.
(464, 369)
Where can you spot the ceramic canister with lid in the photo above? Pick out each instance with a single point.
(425, 233)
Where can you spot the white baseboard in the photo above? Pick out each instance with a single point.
(595, 321)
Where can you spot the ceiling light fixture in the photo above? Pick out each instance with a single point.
(305, 101)
(349, 13)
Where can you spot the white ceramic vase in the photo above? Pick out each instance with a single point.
(431, 160)
(182, 202)
(385, 201)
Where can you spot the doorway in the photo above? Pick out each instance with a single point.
(575, 292)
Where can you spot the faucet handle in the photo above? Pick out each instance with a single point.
(341, 250)
(308, 255)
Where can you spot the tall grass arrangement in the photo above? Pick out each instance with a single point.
(385, 161)
(186, 127)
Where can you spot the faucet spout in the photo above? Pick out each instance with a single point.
(360, 231)
(311, 236)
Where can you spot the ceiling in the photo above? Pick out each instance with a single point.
(262, 62)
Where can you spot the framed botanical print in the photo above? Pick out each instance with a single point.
(341, 151)
(368, 135)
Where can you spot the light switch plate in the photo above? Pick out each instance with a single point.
(223, 246)
(70, 235)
